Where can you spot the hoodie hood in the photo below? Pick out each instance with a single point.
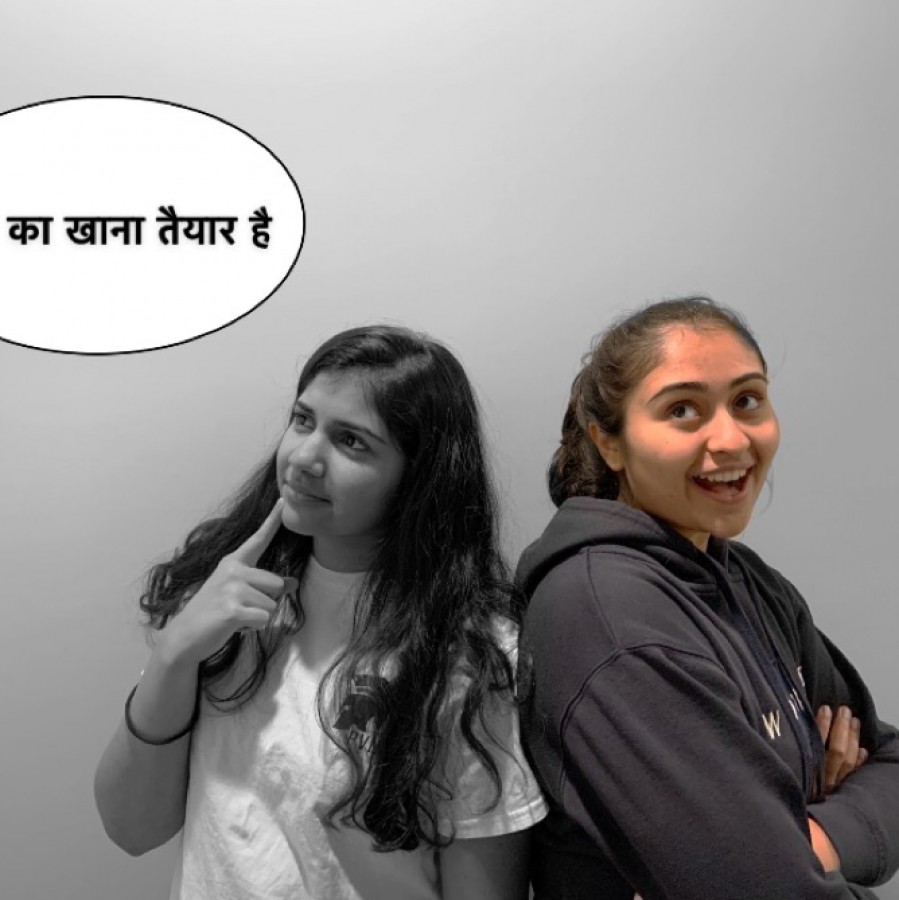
(587, 522)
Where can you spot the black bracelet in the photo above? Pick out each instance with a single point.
(156, 742)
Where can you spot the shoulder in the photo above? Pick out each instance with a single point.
(492, 798)
(612, 598)
(504, 633)
(482, 660)
(751, 560)
(777, 590)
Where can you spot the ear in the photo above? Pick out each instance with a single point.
(608, 445)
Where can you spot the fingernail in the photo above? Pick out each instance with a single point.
(845, 713)
(825, 711)
(856, 724)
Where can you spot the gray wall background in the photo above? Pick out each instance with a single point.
(506, 176)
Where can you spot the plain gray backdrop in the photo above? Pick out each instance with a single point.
(506, 176)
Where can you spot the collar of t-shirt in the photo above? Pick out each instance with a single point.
(329, 597)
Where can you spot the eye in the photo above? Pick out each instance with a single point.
(683, 410)
(301, 420)
(351, 441)
(748, 402)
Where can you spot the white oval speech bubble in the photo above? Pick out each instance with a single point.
(130, 224)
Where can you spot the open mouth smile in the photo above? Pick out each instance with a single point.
(725, 485)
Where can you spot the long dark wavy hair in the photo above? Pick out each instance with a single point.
(435, 590)
(620, 359)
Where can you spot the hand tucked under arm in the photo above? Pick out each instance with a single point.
(841, 735)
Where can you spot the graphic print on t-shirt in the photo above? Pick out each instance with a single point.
(358, 713)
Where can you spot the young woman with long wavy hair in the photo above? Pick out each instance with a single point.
(328, 709)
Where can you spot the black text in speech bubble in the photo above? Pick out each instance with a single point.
(129, 224)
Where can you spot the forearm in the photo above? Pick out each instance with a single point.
(861, 816)
(494, 868)
(676, 822)
(141, 785)
(141, 788)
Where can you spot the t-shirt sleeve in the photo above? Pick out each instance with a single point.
(476, 809)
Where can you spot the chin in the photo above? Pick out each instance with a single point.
(729, 530)
(292, 523)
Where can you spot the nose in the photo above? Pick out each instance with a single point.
(307, 455)
(726, 434)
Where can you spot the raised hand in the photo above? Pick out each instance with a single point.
(236, 596)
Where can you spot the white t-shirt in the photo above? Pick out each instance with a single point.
(262, 777)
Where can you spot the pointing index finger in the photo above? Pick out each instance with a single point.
(256, 544)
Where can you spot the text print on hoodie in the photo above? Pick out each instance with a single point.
(669, 722)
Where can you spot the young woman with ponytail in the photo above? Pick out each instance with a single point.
(695, 735)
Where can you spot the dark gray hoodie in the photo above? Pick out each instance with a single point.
(669, 722)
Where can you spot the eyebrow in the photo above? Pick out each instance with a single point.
(702, 387)
(343, 423)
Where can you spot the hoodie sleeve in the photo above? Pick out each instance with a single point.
(648, 749)
(861, 817)
(678, 791)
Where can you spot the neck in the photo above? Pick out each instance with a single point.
(343, 554)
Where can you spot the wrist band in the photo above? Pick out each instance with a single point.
(157, 742)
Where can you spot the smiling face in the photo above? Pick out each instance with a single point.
(337, 469)
(699, 435)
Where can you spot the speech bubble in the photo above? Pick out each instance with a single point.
(131, 224)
